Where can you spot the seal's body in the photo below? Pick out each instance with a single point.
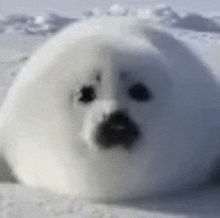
(109, 109)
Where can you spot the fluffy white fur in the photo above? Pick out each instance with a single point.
(47, 134)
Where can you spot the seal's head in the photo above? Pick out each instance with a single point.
(109, 109)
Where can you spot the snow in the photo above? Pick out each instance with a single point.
(19, 201)
(21, 34)
(49, 22)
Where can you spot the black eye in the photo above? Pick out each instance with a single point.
(139, 92)
(87, 94)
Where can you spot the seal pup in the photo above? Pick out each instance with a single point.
(112, 108)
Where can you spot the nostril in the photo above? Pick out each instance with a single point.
(117, 126)
(118, 117)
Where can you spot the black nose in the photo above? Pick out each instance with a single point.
(117, 129)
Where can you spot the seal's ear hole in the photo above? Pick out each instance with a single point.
(87, 94)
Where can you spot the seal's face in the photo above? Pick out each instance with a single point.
(120, 96)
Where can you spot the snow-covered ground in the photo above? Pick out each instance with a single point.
(20, 34)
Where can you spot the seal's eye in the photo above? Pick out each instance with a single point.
(87, 94)
(139, 92)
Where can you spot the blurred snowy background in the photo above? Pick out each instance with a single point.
(25, 25)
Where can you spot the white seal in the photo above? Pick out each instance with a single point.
(112, 108)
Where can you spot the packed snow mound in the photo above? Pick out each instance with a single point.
(45, 24)
(23, 202)
(49, 22)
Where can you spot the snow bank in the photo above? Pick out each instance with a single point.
(23, 202)
(49, 22)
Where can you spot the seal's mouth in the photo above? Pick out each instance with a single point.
(117, 129)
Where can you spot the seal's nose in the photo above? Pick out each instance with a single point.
(117, 129)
